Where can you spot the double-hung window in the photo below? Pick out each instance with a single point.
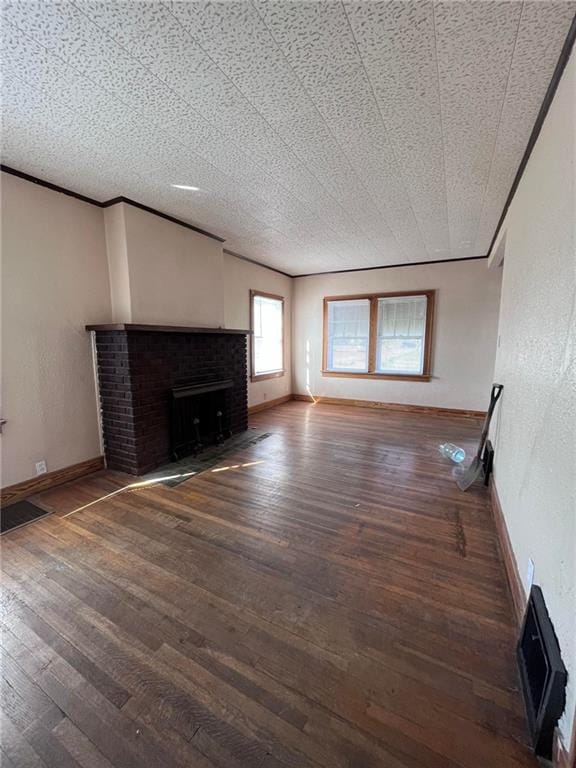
(267, 326)
(379, 335)
(349, 335)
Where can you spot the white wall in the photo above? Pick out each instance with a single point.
(240, 277)
(118, 268)
(535, 469)
(54, 281)
(466, 319)
(175, 274)
(162, 273)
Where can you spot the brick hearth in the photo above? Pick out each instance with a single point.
(137, 368)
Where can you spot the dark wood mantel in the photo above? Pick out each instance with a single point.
(133, 327)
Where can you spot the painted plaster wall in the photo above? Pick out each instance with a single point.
(176, 275)
(240, 277)
(117, 252)
(54, 281)
(464, 341)
(535, 469)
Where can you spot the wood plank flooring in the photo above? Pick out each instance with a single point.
(324, 598)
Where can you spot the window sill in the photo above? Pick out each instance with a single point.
(264, 376)
(385, 376)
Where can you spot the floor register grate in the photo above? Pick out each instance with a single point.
(18, 514)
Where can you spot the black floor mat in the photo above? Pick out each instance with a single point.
(19, 513)
(178, 471)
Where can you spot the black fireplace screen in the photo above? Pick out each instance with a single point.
(199, 416)
(542, 673)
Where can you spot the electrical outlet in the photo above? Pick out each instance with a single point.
(41, 468)
(529, 575)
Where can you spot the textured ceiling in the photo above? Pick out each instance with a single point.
(322, 135)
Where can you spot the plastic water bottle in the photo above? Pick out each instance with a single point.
(451, 451)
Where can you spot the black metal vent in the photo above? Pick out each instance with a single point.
(542, 673)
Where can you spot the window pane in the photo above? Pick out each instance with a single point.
(268, 335)
(348, 329)
(401, 335)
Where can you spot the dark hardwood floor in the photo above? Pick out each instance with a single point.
(327, 597)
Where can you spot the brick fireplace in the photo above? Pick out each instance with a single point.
(140, 367)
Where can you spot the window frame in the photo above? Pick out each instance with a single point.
(281, 371)
(372, 373)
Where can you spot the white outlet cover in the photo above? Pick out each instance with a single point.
(41, 468)
(529, 575)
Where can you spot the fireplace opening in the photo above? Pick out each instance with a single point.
(542, 673)
(199, 416)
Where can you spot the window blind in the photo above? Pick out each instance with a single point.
(348, 335)
(401, 334)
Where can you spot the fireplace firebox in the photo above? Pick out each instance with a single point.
(199, 416)
(165, 391)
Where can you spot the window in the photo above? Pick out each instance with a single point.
(401, 334)
(267, 325)
(379, 336)
(349, 333)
